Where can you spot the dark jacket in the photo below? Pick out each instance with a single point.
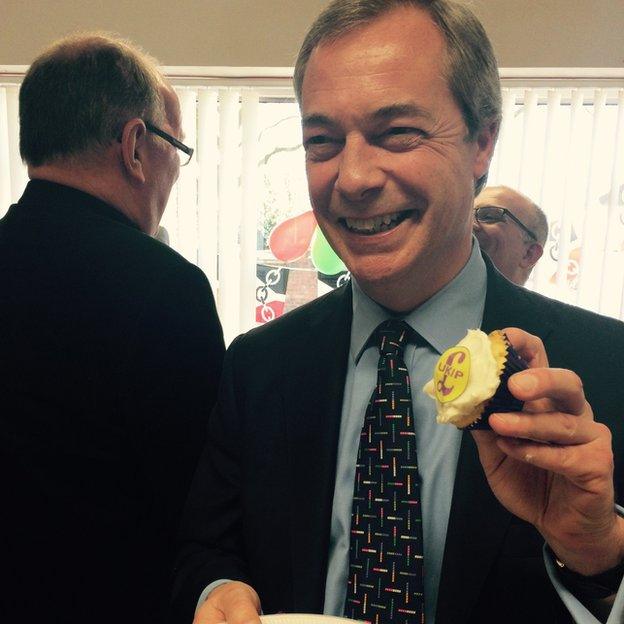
(260, 506)
(110, 356)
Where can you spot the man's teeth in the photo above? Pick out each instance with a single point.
(375, 225)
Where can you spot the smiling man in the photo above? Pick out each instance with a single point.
(310, 497)
(511, 229)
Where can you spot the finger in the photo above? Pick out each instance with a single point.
(529, 347)
(589, 463)
(490, 455)
(552, 427)
(232, 602)
(563, 389)
(208, 614)
(242, 612)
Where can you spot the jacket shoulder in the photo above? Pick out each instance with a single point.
(332, 310)
(582, 324)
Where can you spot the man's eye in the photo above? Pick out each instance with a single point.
(398, 130)
(401, 137)
(321, 147)
(318, 139)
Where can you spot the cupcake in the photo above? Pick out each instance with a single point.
(470, 380)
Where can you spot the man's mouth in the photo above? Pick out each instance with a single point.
(375, 225)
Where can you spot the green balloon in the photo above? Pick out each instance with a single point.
(324, 258)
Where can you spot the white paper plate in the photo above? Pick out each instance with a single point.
(302, 618)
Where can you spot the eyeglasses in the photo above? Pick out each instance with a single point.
(170, 139)
(494, 214)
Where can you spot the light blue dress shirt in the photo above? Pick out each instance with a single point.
(460, 306)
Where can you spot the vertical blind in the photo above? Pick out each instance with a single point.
(13, 176)
(563, 147)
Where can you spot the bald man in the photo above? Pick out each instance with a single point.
(511, 229)
(111, 348)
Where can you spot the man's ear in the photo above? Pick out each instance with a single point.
(531, 256)
(133, 140)
(485, 142)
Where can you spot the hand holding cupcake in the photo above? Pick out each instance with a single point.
(550, 463)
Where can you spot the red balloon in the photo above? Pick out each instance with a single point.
(290, 239)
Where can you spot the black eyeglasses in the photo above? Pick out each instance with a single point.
(494, 214)
(170, 139)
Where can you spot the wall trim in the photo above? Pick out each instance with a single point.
(282, 76)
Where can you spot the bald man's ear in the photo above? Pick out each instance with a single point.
(133, 140)
(532, 255)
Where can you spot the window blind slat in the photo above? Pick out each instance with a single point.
(229, 212)
(19, 177)
(614, 244)
(5, 162)
(530, 108)
(590, 233)
(250, 200)
(565, 219)
(186, 207)
(548, 148)
(207, 158)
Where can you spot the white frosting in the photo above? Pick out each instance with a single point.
(483, 380)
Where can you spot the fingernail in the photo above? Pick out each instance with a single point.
(525, 381)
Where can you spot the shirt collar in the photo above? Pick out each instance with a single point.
(459, 304)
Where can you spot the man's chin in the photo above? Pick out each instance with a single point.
(377, 284)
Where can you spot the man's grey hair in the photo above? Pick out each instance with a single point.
(471, 69)
(79, 93)
(538, 224)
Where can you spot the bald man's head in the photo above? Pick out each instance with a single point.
(513, 247)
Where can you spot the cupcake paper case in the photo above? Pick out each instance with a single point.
(470, 380)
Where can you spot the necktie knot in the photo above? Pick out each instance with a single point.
(391, 336)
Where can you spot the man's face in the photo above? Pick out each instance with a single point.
(390, 172)
(165, 160)
(505, 242)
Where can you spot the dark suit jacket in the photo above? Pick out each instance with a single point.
(261, 503)
(110, 355)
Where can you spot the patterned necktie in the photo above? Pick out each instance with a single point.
(386, 551)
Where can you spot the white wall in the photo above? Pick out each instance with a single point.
(525, 33)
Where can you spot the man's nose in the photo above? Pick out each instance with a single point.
(361, 171)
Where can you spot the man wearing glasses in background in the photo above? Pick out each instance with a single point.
(511, 229)
(110, 344)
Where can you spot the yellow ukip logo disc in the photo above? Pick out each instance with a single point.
(451, 374)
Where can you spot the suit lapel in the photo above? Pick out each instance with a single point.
(478, 523)
(316, 388)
